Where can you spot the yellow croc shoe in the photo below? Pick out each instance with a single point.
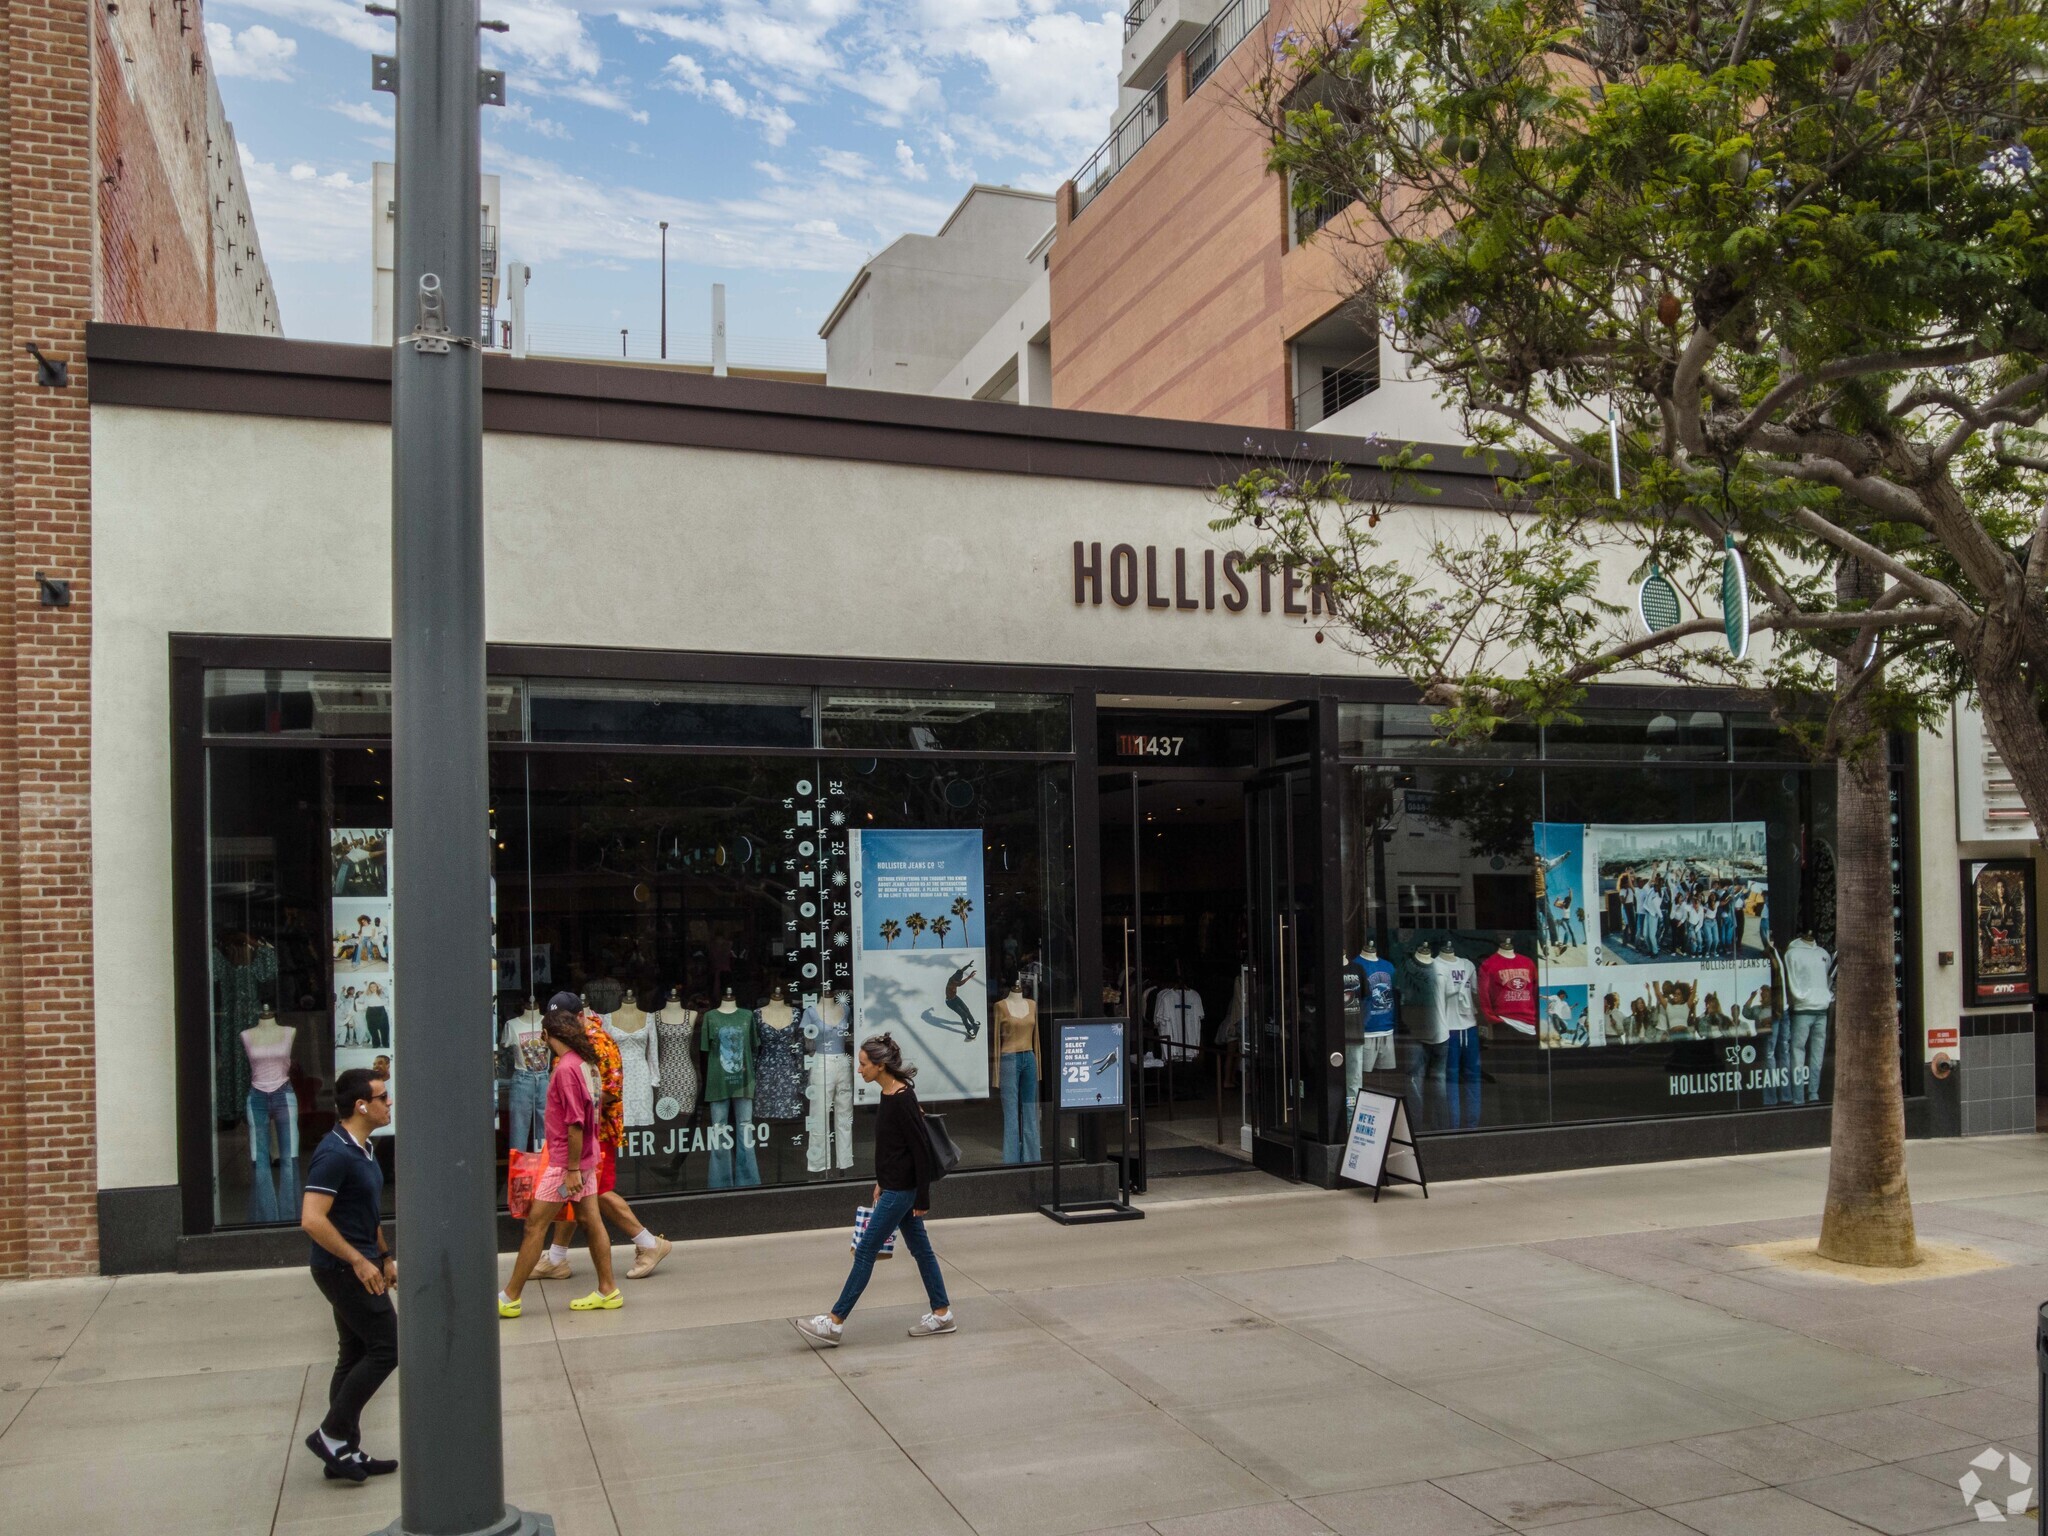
(597, 1301)
(507, 1308)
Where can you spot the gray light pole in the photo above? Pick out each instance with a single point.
(664, 290)
(450, 1436)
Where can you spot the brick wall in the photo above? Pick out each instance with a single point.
(47, 1093)
(150, 271)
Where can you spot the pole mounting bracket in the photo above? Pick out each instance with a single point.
(384, 73)
(490, 87)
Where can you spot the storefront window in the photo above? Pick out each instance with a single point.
(248, 701)
(739, 919)
(1617, 929)
(885, 719)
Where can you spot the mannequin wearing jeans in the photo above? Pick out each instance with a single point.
(526, 1101)
(1457, 988)
(727, 1038)
(824, 1026)
(1809, 981)
(1017, 1070)
(273, 1121)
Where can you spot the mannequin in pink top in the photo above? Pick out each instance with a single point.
(273, 1120)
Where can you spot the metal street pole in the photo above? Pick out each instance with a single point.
(452, 1461)
(664, 290)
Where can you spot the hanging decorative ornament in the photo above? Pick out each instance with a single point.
(1735, 599)
(1657, 602)
(1614, 445)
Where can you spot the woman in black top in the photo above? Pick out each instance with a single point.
(903, 1178)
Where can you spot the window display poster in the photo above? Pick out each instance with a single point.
(1092, 1064)
(920, 959)
(1998, 931)
(365, 1010)
(1650, 933)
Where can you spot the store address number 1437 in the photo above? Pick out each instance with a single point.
(1134, 745)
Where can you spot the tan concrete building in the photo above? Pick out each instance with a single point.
(1183, 284)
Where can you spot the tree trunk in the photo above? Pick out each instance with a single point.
(1869, 1215)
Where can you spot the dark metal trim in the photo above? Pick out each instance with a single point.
(269, 376)
(191, 978)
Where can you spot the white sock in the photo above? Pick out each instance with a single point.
(504, 1298)
(557, 1254)
(332, 1444)
(643, 1239)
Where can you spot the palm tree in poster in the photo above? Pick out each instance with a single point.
(961, 907)
(917, 925)
(891, 931)
(941, 926)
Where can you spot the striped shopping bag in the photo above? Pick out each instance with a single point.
(861, 1213)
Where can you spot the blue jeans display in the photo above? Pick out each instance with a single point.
(891, 1213)
(1426, 1077)
(1020, 1106)
(525, 1111)
(273, 1136)
(1777, 1053)
(1809, 1050)
(734, 1167)
(1461, 1071)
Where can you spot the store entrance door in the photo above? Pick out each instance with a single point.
(1173, 951)
(1280, 866)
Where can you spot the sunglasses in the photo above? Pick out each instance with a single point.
(380, 1098)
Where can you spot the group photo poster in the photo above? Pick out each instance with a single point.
(920, 955)
(1998, 931)
(1650, 933)
(359, 925)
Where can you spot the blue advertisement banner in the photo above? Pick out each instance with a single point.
(920, 955)
(1091, 1064)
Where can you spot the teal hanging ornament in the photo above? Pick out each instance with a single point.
(1656, 602)
(1735, 599)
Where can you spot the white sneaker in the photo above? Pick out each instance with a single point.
(819, 1330)
(931, 1323)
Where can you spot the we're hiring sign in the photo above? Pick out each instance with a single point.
(1193, 581)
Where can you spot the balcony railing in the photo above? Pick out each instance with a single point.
(1134, 18)
(1314, 215)
(1231, 26)
(1336, 387)
(1124, 141)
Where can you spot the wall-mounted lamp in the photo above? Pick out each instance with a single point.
(51, 592)
(48, 374)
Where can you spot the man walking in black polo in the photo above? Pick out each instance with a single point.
(342, 1213)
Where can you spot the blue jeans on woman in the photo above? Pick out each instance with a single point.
(722, 1173)
(1020, 1106)
(527, 1110)
(891, 1212)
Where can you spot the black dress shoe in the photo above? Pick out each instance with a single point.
(341, 1465)
(376, 1466)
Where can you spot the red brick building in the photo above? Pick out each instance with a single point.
(122, 200)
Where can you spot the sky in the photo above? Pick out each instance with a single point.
(785, 141)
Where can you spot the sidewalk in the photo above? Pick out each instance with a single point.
(1589, 1353)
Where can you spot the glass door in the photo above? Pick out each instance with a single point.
(1283, 1017)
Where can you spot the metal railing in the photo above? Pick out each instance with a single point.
(792, 354)
(1124, 141)
(1134, 18)
(1310, 217)
(1336, 387)
(1231, 26)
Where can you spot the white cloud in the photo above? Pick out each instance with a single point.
(589, 93)
(685, 74)
(957, 167)
(546, 33)
(789, 35)
(894, 85)
(307, 215)
(906, 163)
(365, 113)
(257, 53)
(519, 112)
(334, 18)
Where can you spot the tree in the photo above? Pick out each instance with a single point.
(941, 926)
(917, 925)
(1704, 277)
(890, 930)
(961, 907)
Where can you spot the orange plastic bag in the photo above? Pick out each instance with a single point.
(523, 1172)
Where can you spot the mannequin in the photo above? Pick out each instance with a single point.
(526, 1098)
(1457, 1001)
(1369, 1047)
(778, 1060)
(273, 1120)
(726, 1036)
(243, 968)
(827, 1036)
(639, 1060)
(1507, 988)
(1016, 1040)
(679, 1078)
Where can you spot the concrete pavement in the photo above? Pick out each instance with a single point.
(1591, 1353)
